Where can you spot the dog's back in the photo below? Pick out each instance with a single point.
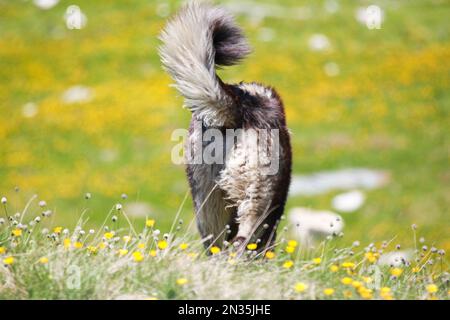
(239, 200)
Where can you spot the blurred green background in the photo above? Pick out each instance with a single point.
(354, 97)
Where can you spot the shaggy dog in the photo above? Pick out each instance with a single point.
(237, 200)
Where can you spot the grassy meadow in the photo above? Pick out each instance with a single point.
(371, 98)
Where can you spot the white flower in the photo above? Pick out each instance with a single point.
(42, 203)
(118, 206)
(4, 200)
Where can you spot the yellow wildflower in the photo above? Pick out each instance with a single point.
(92, 249)
(137, 256)
(334, 268)
(108, 235)
(123, 252)
(300, 286)
(57, 230)
(385, 290)
(356, 284)
(270, 255)
(150, 223)
(288, 264)
(66, 243)
(182, 281)
(371, 257)
(215, 250)
(102, 245)
(317, 260)
(290, 249)
(328, 291)
(347, 294)
(432, 288)
(8, 260)
(396, 272)
(17, 232)
(346, 280)
(367, 279)
(365, 293)
(2, 250)
(141, 245)
(415, 269)
(184, 246)
(152, 253)
(43, 260)
(78, 245)
(252, 246)
(162, 244)
(348, 265)
(292, 243)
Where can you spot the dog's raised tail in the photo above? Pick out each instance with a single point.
(199, 38)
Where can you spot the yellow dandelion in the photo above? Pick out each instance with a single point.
(252, 246)
(415, 269)
(184, 246)
(17, 232)
(432, 288)
(367, 279)
(328, 291)
(334, 268)
(292, 243)
(57, 230)
(141, 245)
(356, 284)
(348, 265)
(8, 260)
(66, 243)
(43, 260)
(347, 294)
(78, 245)
(108, 235)
(317, 260)
(126, 239)
(137, 256)
(152, 253)
(385, 290)
(300, 286)
(182, 281)
(150, 223)
(396, 272)
(270, 255)
(288, 264)
(122, 252)
(214, 250)
(372, 257)
(102, 245)
(92, 249)
(346, 280)
(2, 250)
(162, 244)
(290, 249)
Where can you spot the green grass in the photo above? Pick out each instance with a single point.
(120, 262)
(390, 102)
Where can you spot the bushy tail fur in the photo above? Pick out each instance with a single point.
(199, 38)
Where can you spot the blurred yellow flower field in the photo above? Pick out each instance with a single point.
(372, 98)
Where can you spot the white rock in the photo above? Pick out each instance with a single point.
(348, 201)
(308, 224)
(77, 94)
(344, 179)
(45, 4)
(319, 42)
(29, 110)
(75, 18)
(138, 209)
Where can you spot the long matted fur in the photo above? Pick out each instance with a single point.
(234, 201)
